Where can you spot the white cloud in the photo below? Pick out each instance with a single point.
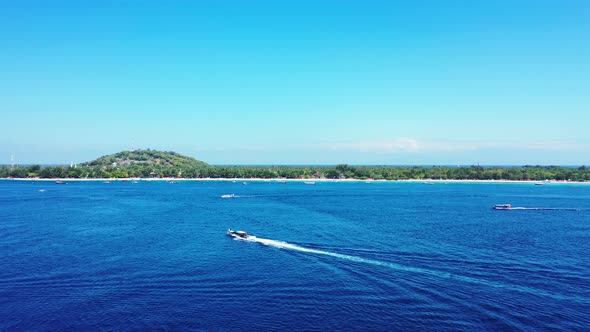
(412, 145)
(408, 144)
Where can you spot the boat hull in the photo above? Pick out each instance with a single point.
(240, 235)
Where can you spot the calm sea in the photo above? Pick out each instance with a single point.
(92, 256)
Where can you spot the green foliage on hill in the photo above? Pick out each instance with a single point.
(150, 163)
(146, 157)
(137, 163)
(141, 163)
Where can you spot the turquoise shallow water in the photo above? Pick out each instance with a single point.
(330, 256)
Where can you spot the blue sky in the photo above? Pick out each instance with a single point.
(300, 82)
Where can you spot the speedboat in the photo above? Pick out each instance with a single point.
(238, 234)
(502, 207)
(59, 182)
(228, 196)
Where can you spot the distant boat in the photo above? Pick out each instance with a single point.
(309, 182)
(41, 190)
(429, 183)
(539, 183)
(245, 183)
(107, 181)
(228, 196)
(172, 181)
(134, 182)
(282, 181)
(59, 182)
(502, 207)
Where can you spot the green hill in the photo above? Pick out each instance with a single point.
(143, 163)
(146, 157)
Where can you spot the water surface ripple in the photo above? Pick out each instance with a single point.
(334, 256)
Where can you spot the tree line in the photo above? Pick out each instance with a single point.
(139, 170)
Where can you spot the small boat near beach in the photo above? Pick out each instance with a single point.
(238, 234)
(502, 207)
(59, 182)
(309, 182)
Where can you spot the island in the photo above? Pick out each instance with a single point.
(164, 164)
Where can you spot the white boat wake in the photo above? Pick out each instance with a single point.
(544, 208)
(290, 246)
(236, 196)
(403, 268)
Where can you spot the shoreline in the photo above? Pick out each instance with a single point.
(425, 181)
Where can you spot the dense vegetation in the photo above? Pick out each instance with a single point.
(149, 163)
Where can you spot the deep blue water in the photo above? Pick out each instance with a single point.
(358, 256)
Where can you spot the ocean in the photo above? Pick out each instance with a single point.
(350, 256)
